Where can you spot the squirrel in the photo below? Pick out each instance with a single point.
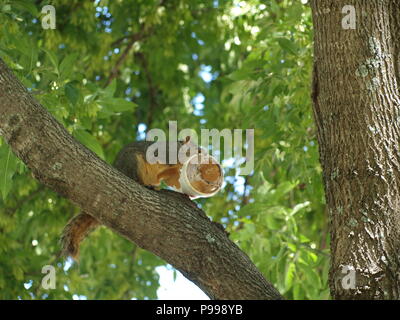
(132, 162)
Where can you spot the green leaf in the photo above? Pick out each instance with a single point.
(6, 8)
(66, 66)
(247, 232)
(253, 209)
(290, 271)
(288, 45)
(312, 277)
(53, 59)
(8, 167)
(25, 6)
(116, 104)
(110, 90)
(89, 141)
(72, 93)
(18, 272)
(297, 291)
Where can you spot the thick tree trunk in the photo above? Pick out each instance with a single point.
(357, 112)
(165, 223)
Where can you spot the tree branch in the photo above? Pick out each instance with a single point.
(163, 222)
(132, 40)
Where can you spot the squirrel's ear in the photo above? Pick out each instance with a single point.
(187, 139)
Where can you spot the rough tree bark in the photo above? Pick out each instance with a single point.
(165, 223)
(357, 112)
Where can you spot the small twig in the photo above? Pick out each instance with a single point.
(118, 41)
(144, 33)
(114, 72)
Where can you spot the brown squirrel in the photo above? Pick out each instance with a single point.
(132, 162)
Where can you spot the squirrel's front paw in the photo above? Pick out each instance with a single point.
(156, 188)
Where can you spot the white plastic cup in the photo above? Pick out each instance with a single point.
(186, 186)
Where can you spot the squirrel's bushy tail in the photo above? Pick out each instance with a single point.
(74, 232)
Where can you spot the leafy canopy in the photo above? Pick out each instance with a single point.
(113, 69)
